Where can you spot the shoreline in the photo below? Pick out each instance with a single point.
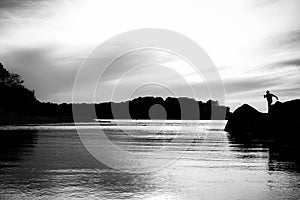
(26, 120)
(15, 120)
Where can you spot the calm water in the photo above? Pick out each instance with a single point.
(190, 160)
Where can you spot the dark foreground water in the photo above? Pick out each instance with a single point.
(177, 160)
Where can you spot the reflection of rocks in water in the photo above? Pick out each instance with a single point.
(16, 145)
(283, 158)
(280, 157)
(248, 148)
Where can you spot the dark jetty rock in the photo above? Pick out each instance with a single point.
(245, 120)
(281, 124)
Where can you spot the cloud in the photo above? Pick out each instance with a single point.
(42, 72)
(13, 4)
(52, 75)
(248, 84)
(288, 63)
(256, 44)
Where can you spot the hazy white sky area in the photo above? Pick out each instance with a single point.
(254, 44)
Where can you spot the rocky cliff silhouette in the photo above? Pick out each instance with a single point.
(281, 124)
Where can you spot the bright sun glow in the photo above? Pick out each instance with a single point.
(241, 38)
(91, 22)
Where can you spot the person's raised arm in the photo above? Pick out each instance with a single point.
(275, 96)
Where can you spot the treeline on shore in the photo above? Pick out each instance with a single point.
(19, 105)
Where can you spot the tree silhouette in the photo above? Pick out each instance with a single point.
(14, 96)
(18, 103)
(9, 79)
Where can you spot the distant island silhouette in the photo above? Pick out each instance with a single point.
(18, 105)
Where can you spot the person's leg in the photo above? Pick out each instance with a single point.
(269, 106)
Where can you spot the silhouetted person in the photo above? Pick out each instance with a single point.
(269, 97)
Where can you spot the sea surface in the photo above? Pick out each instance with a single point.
(141, 160)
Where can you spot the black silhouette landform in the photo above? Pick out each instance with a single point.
(281, 124)
(18, 105)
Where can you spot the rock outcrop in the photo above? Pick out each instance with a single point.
(281, 124)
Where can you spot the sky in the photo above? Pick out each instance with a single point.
(255, 46)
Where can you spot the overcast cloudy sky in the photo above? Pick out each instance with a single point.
(254, 44)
